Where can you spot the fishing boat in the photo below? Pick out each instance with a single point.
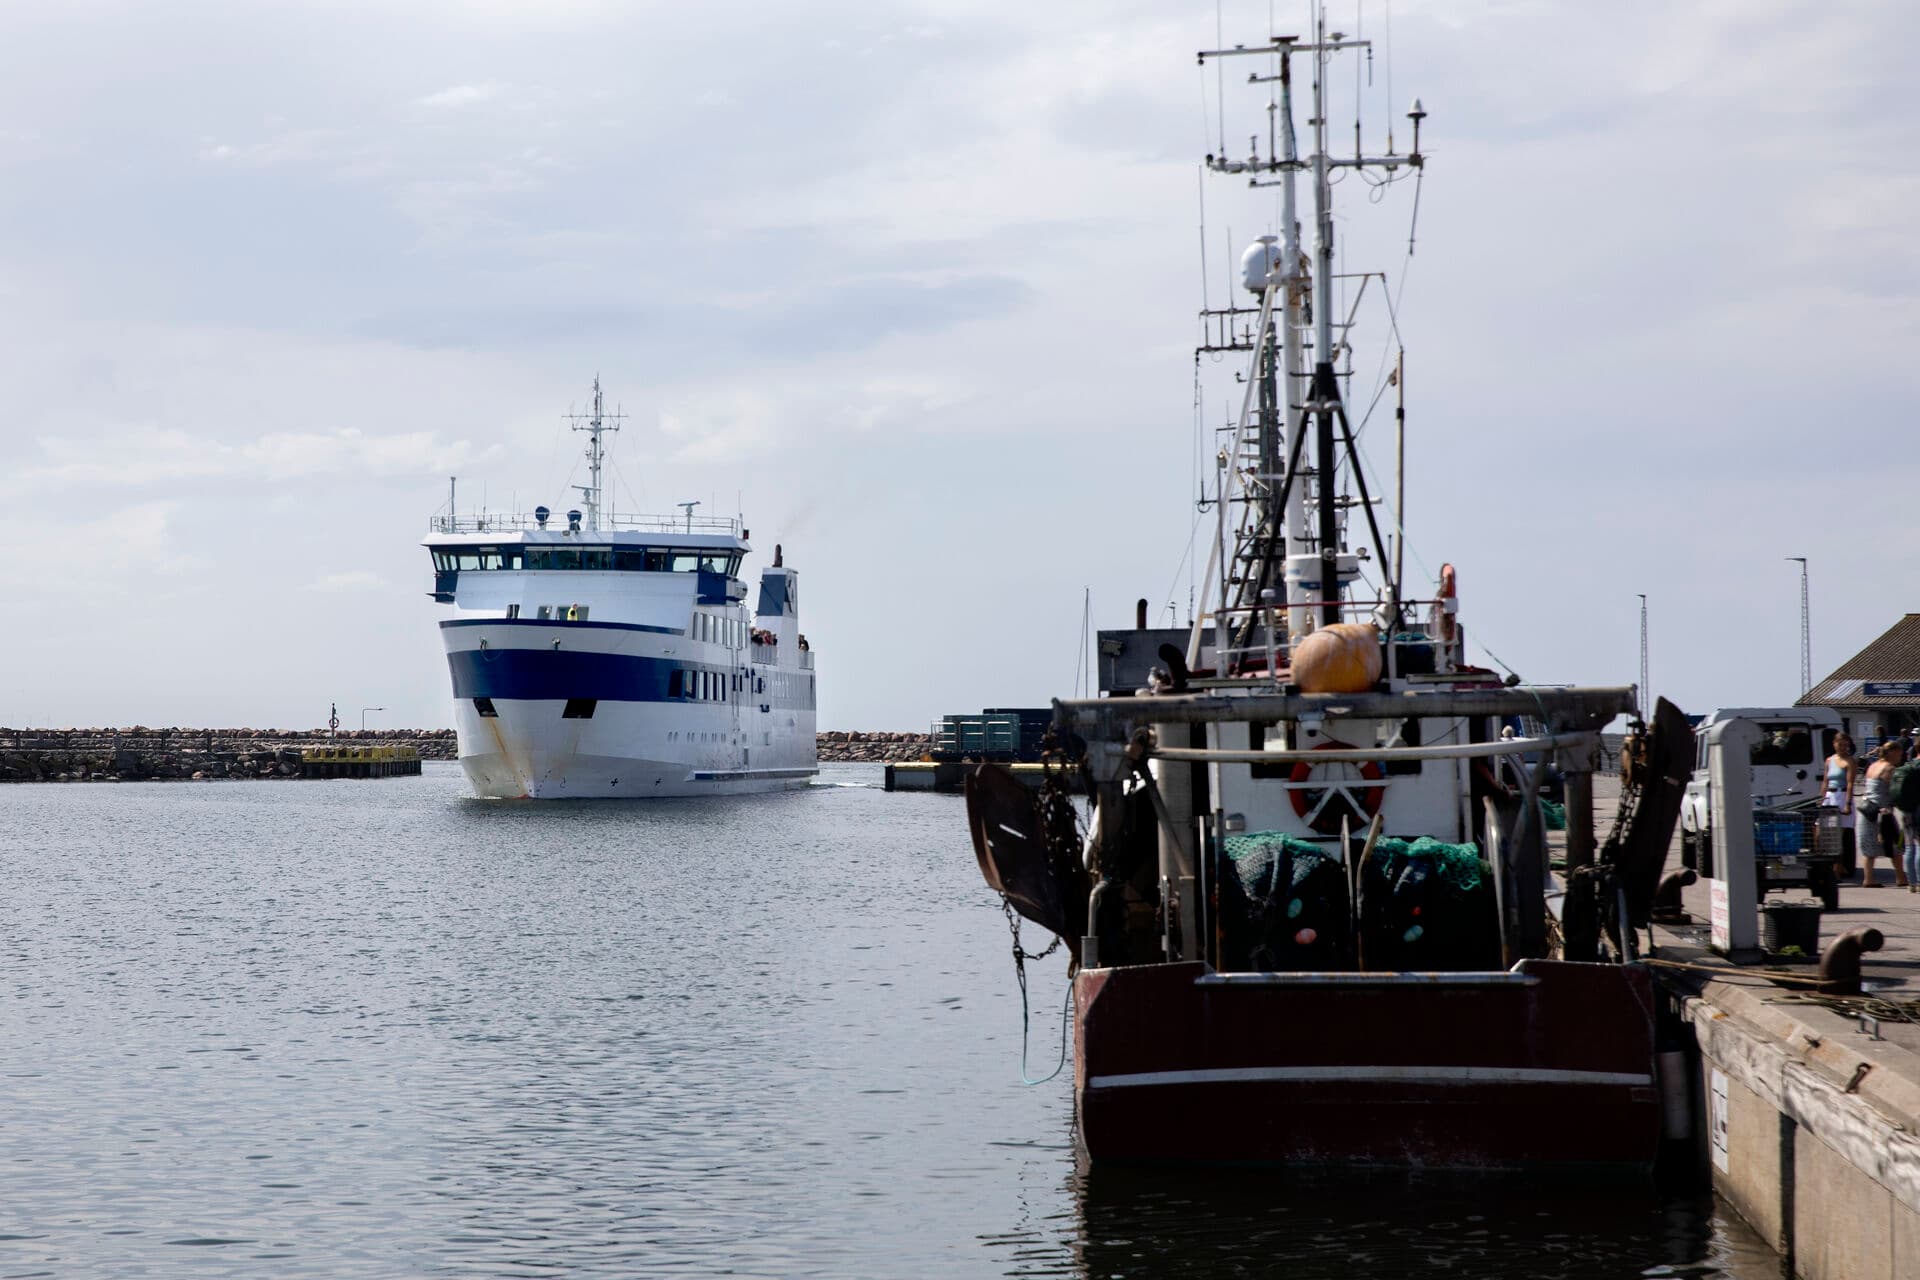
(1312, 914)
(604, 655)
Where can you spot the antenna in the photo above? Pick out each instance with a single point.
(688, 508)
(595, 425)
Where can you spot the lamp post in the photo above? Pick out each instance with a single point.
(1806, 630)
(1645, 693)
(363, 716)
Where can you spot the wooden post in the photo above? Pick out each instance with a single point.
(1580, 843)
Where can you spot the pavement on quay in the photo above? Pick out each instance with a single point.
(1892, 973)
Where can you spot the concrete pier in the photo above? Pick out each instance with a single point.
(950, 775)
(1806, 1114)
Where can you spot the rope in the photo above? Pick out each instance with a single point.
(1020, 958)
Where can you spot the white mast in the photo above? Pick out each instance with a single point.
(596, 424)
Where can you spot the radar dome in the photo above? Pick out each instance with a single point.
(1261, 260)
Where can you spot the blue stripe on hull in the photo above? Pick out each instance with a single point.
(552, 674)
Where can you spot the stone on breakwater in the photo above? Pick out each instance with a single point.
(838, 746)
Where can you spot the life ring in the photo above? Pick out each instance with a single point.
(1342, 798)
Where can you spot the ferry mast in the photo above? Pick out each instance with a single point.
(1250, 569)
(595, 423)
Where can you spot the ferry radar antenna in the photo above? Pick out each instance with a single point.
(595, 423)
(688, 508)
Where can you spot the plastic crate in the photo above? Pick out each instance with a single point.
(1776, 833)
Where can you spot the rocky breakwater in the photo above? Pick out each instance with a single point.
(143, 754)
(852, 746)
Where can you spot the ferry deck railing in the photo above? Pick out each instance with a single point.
(557, 523)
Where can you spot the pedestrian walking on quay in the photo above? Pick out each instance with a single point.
(1905, 790)
(1880, 834)
(1842, 780)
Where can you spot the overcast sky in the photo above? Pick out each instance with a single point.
(916, 281)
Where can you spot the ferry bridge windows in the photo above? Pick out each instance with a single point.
(676, 684)
(547, 556)
(579, 709)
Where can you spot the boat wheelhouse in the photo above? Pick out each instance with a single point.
(604, 655)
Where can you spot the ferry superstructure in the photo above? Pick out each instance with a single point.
(594, 655)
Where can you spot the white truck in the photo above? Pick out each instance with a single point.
(1788, 766)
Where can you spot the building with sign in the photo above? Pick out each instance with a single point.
(1877, 691)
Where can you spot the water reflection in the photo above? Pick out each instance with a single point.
(1172, 1224)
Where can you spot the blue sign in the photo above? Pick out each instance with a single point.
(1891, 688)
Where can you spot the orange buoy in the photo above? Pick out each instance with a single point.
(1343, 657)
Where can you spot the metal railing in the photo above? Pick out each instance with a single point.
(557, 523)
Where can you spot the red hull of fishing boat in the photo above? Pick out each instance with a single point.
(1552, 1064)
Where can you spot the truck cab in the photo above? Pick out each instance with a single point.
(1788, 763)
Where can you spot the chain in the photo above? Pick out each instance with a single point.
(1020, 957)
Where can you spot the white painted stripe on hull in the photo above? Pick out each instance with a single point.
(1370, 1075)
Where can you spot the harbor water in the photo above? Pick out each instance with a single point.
(348, 1028)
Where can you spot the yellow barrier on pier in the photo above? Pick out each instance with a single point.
(341, 761)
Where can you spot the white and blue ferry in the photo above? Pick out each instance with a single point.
(595, 655)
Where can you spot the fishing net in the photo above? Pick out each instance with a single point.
(1554, 816)
(1283, 905)
(1426, 904)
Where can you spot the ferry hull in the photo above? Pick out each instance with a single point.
(528, 750)
(1552, 1064)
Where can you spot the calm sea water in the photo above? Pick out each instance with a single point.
(379, 1029)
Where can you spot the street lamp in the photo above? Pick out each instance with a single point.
(363, 716)
(1645, 693)
(1806, 630)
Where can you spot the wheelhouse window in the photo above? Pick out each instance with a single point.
(476, 559)
(629, 559)
(596, 558)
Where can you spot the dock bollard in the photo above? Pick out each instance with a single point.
(1840, 962)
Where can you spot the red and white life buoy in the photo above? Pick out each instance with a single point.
(1342, 792)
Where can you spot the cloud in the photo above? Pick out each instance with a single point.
(461, 95)
(728, 424)
(146, 455)
(350, 580)
(79, 556)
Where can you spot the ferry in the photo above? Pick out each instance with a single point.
(1311, 917)
(598, 655)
